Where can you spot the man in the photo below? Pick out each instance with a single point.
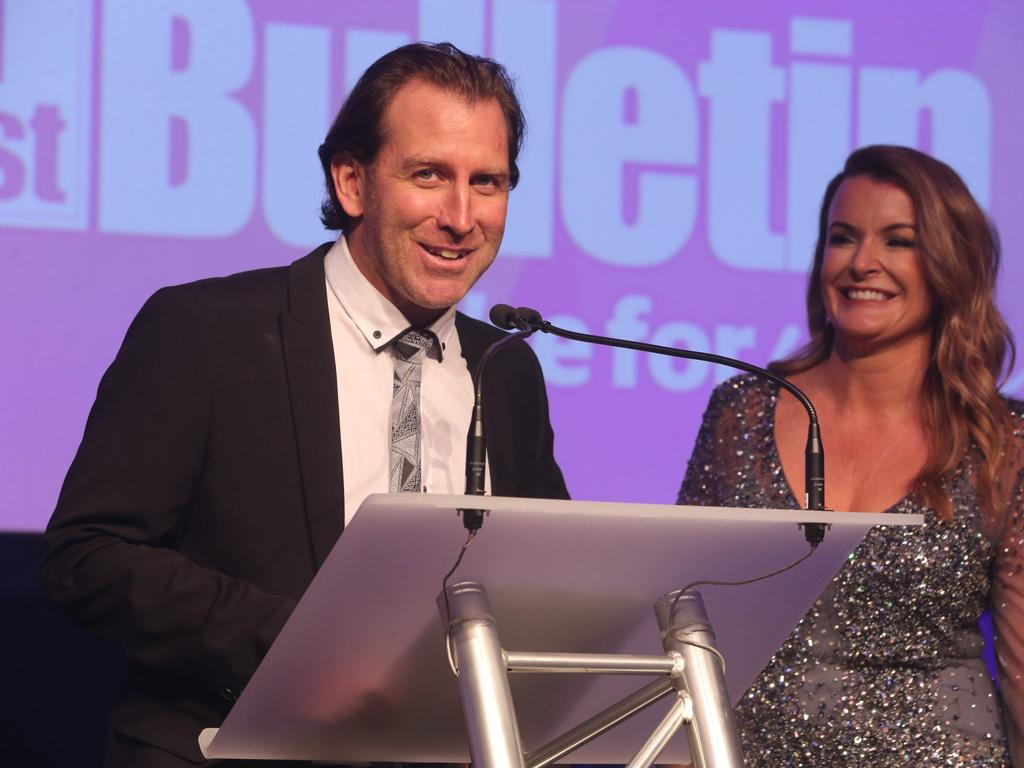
(209, 485)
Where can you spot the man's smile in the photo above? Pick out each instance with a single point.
(452, 254)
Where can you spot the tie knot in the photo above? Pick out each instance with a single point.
(413, 342)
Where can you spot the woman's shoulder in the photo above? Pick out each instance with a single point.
(1016, 409)
(746, 396)
(744, 387)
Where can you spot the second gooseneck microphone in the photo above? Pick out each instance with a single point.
(523, 318)
(503, 316)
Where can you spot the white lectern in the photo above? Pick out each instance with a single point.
(360, 673)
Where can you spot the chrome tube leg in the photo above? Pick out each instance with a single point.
(679, 713)
(483, 678)
(714, 740)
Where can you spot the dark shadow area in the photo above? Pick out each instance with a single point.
(58, 682)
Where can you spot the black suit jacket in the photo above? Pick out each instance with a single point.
(208, 486)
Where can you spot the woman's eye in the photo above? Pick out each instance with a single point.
(900, 242)
(839, 239)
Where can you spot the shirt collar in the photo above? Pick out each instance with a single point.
(378, 320)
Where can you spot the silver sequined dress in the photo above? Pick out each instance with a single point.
(886, 668)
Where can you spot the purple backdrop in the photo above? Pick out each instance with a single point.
(676, 156)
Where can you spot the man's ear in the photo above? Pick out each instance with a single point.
(349, 177)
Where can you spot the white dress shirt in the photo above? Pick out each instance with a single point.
(363, 323)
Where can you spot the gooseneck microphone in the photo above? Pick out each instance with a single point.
(523, 318)
(506, 317)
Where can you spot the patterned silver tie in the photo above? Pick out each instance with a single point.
(410, 349)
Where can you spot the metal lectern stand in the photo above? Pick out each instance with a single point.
(360, 672)
(694, 668)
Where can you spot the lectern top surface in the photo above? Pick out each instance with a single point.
(360, 673)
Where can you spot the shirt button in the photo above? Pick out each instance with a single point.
(376, 334)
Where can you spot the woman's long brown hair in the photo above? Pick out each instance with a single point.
(971, 350)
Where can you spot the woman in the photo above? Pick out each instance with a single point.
(906, 352)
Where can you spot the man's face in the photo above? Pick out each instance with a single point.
(429, 211)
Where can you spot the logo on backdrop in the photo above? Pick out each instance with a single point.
(46, 87)
(633, 161)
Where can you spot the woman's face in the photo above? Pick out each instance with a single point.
(872, 285)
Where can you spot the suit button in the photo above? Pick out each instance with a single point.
(228, 693)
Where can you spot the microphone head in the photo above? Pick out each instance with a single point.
(504, 316)
(530, 317)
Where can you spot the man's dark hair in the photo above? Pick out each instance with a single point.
(358, 130)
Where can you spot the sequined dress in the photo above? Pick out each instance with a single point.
(885, 669)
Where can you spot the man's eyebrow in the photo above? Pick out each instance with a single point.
(424, 160)
(497, 173)
(416, 161)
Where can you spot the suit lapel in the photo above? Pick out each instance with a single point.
(473, 345)
(313, 391)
